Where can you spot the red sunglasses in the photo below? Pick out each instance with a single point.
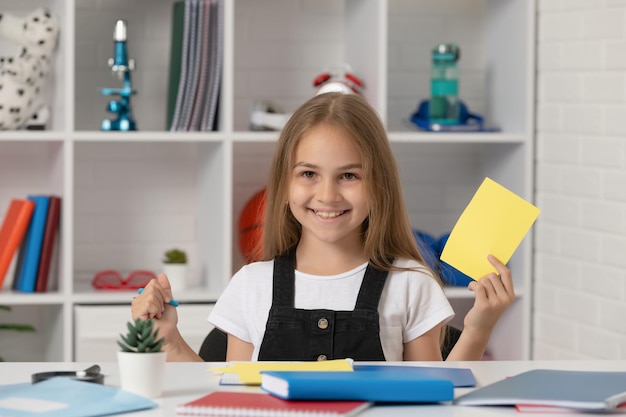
(110, 279)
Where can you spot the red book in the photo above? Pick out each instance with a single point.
(48, 244)
(12, 231)
(221, 403)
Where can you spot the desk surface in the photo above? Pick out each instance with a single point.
(188, 381)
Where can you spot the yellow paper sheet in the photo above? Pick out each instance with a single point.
(249, 373)
(494, 222)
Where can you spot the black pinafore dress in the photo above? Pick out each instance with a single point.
(293, 334)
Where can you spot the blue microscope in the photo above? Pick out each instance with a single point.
(122, 66)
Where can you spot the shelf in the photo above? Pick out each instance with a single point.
(128, 196)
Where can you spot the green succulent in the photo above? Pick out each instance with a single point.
(175, 256)
(142, 337)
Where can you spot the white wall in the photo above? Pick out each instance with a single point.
(580, 259)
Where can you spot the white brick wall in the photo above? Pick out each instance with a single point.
(580, 250)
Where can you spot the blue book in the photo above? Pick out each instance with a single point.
(67, 397)
(34, 240)
(377, 386)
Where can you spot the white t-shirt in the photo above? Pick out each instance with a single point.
(412, 302)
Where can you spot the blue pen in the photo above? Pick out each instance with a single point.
(172, 301)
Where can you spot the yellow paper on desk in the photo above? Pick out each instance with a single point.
(249, 373)
(494, 222)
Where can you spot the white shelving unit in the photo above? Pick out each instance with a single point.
(127, 197)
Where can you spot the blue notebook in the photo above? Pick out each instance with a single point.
(460, 377)
(580, 390)
(67, 397)
(34, 240)
(378, 386)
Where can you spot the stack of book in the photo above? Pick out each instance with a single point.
(30, 229)
(196, 57)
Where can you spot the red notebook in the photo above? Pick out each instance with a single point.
(12, 231)
(221, 403)
(48, 243)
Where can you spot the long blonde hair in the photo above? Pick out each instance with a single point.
(387, 231)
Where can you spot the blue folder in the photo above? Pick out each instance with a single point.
(460, 377)
(67, 397)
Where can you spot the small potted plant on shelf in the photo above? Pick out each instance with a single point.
(141, 359)
(175, 267)
(14, 327)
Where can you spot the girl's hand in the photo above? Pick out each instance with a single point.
(152, 304)
(494, 294)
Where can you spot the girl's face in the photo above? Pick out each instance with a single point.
(326, 190)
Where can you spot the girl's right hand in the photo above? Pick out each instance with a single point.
(152, 303)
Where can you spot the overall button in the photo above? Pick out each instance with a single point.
(322, 357)
(322, 323)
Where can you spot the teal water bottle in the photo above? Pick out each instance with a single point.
(444, 85)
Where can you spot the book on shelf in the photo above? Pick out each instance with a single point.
(575, 390)
(12, 232)
(233, 403)
(49, 244)
(195, 65)
(34, 240)
(372, 385)
(176, 47)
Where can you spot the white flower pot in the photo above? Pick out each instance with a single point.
(177, 275)
(142, 373)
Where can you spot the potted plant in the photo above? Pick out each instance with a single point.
(141, 359)
(175, 267)
(14, 327)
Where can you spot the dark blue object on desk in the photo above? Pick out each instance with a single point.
(460, 377)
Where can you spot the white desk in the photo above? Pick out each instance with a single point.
(188, 381)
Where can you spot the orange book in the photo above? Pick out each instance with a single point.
(12, 231)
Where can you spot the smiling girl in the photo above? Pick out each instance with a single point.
(341, 275)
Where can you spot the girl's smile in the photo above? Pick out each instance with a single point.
(328, 214)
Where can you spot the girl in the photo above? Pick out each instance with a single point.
(341, 274)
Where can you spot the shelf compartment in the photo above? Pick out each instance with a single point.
(495, 60)
(135, 200)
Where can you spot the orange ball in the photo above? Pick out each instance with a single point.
(250, 227)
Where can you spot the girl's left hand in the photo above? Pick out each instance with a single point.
(494, 294)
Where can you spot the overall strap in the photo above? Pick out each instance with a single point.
(284, 282)
(371, 288)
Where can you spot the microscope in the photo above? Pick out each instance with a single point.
(121, 66)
